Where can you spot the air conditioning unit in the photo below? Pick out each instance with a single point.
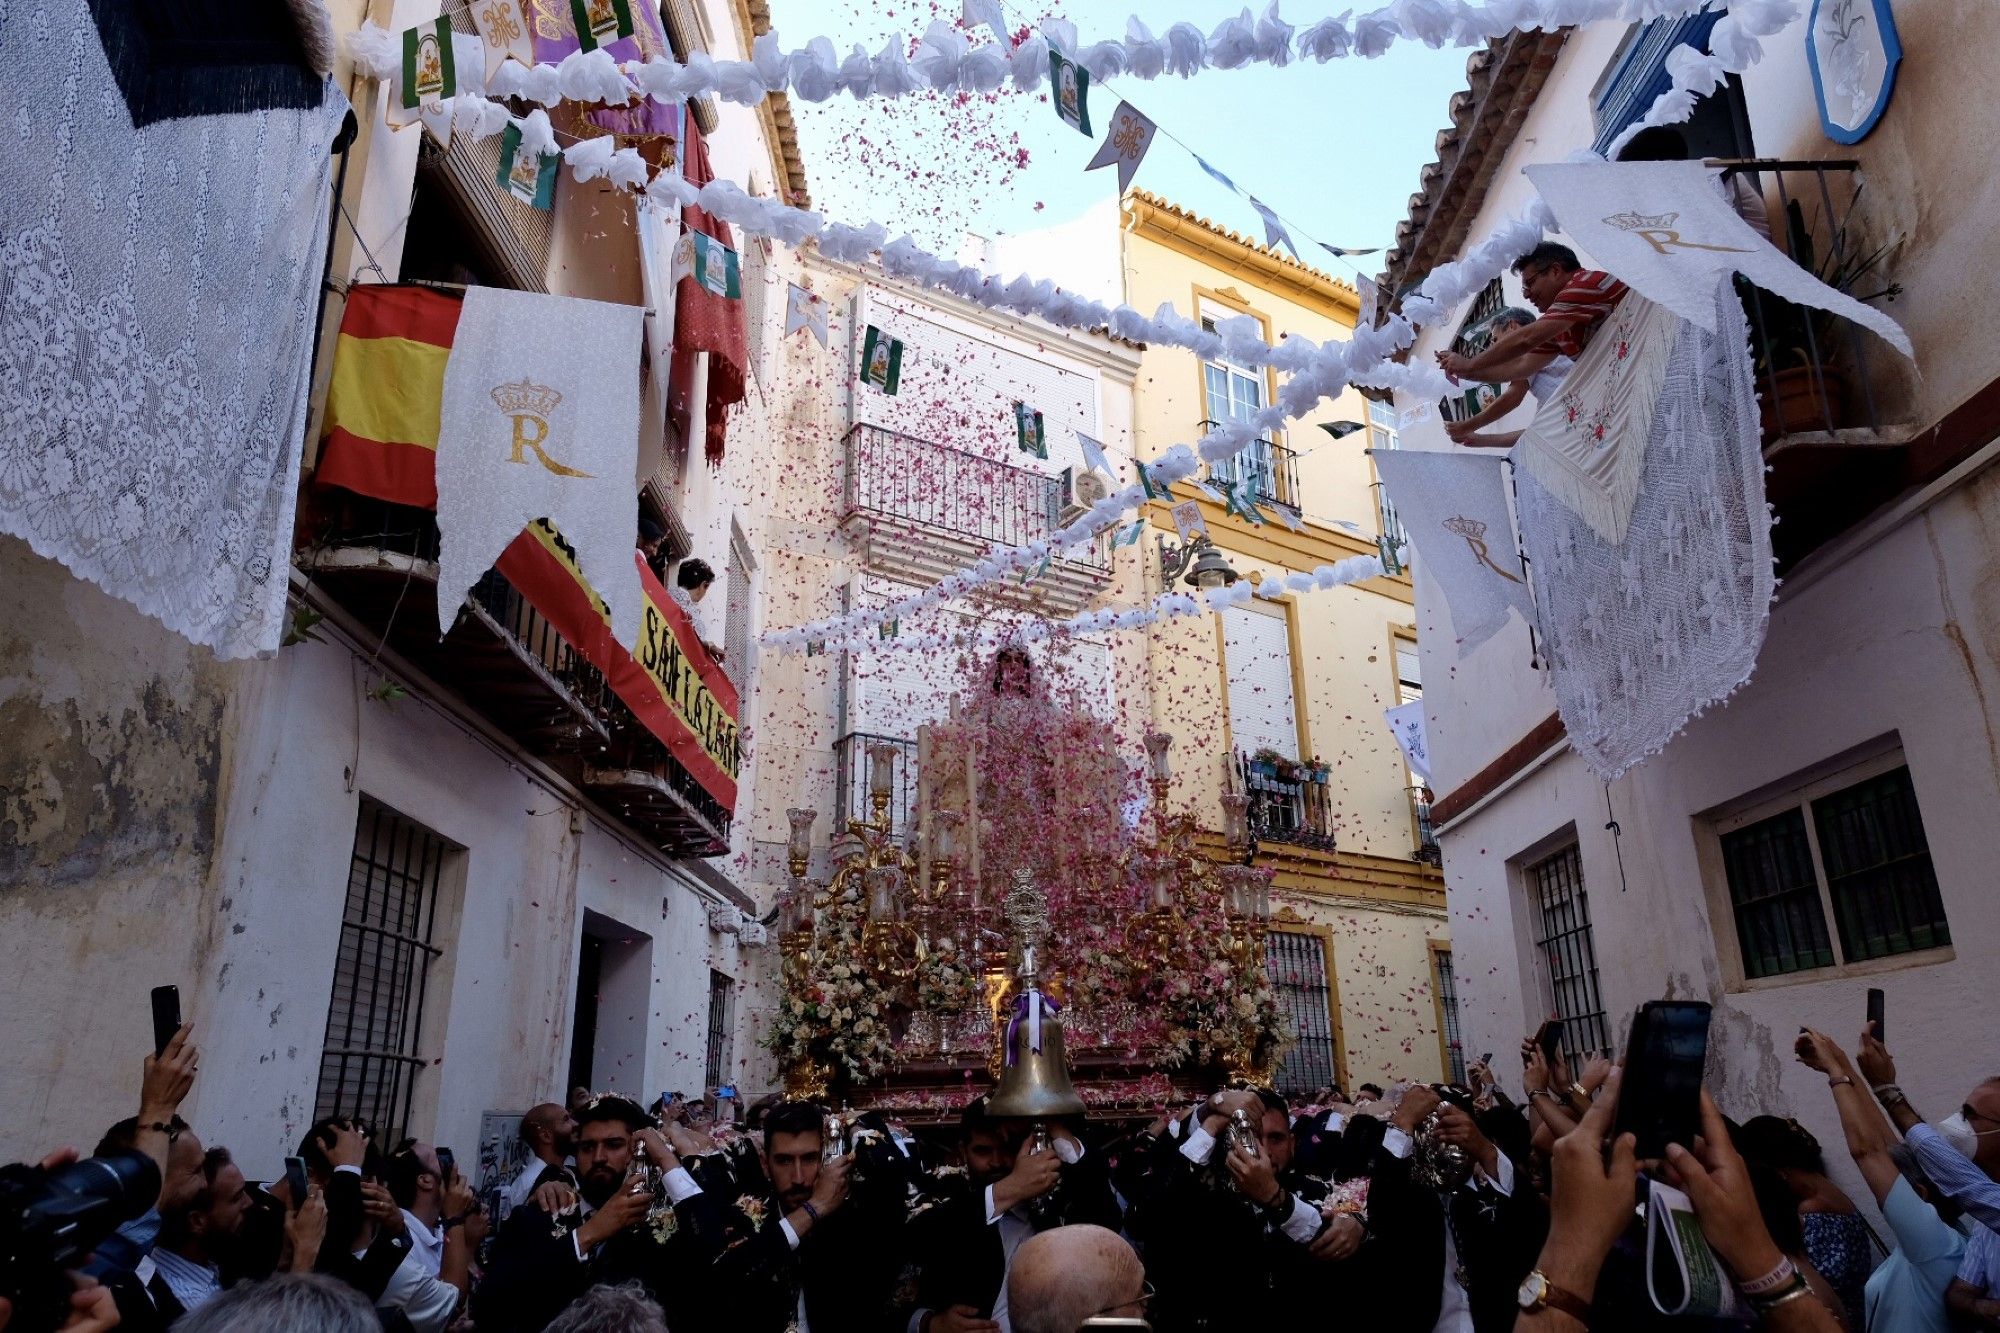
(1080, 490)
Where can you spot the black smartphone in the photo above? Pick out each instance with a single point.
(1550, 1039)
(1659, 1098)
(166, 1016)
(295, 1180)
(1878, 1007)
(446, 1163)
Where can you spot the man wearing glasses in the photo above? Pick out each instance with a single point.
(1077, 1277)
(1573, 301)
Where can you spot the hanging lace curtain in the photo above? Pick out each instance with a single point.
(157, 296)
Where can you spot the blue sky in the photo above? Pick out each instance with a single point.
(1334, 148)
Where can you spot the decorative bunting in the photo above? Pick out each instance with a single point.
(889, 629)
(1392, 553)
(815, 647)
(1453, 505)
(1188, 521)
(1030, 436)
(1093, 456)
(1274, 230)
(506, 29)
(1071, 82)
(973, 13)
(1233, 502)
(1146, 482)
(803, 310)
(429, 73)
(529, 177)
(1129, 534)
(881, 360)
(601, 22)
(1131, 135)
(713, 265)
(1406, 724)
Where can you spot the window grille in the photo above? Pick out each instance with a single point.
(374, 1022)
(1569, 952)
(721, 1015)
(1297, 965)
(1857, 854)
(1447, 1000)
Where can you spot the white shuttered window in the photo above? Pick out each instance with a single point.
(1257, 654)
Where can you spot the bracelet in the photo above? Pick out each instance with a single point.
(1798, 1289)
(1843, 1081)
(1771, 1281)
(1541, 1092)
(1281, 1206)
(164, 1127)
(446, 1224)
(811, 1211)
(1889, 1094)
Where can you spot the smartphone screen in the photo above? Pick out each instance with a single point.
(1878, 1012)
(1659, 1098)
(295, 1180)
(166, 1016)
(446, 1163)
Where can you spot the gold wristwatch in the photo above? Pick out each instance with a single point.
(1538, 1293)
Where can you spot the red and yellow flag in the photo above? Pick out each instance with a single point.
(381, 441)
(388, 386)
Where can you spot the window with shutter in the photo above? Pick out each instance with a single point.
(1257, 654)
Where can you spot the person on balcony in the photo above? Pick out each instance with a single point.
(1573, 301)
(1543, 384)
(692, 581)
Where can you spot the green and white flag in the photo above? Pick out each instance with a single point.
(1129, 535)
(881, 360)
(889, 629)
(1028, 432)
(815, 647)
(428, 72)
(713, 265)
(601, 22)
(529, 177)
(1071, 83)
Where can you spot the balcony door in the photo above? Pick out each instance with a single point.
(1233, 392)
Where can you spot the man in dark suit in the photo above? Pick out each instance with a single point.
(829, 1244)
(1212, 1204)
(619, 1231)
(1457, 1254)
(964, 1245)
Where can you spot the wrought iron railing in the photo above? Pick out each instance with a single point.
(850, 780)
(1289, 804)
(1266, 473)
(897, 476)
(1427, 849)
(1812, 368)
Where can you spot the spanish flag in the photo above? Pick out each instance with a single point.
(388, 386)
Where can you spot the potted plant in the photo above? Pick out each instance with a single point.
(1798, 392)
(1321, 773)
(1266, 762)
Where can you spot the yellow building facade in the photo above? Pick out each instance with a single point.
(1281, 700)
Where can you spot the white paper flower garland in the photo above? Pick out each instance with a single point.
(1165, 606)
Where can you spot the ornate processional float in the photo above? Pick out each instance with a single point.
(904, 968)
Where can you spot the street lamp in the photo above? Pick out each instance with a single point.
(1210, 569)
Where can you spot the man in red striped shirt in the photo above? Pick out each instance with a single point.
(1573, 301)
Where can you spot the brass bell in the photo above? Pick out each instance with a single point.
(1035, 1085)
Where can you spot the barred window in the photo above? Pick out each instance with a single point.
(374, 1022)
(1850, 851)
(1296, 961)
(1445, 990)
(1568, 947)
(721, 1025)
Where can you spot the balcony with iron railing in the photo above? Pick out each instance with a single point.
(850, 781)
(1290, 802)
(510, 664)
(1427, 849)
(1266, 473)
(1833, 457)
(920, 510)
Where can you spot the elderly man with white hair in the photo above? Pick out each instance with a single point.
(1066, 1275)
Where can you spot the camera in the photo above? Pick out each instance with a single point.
(50, 1222)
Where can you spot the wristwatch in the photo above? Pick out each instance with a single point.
(1538, 1293)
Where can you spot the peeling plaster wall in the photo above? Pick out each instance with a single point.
(165, 818)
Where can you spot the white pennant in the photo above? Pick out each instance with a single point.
(506, 29)
(1093, 455)
(975, 12)
(1274, 230)
(803, 310)
(1131, 135)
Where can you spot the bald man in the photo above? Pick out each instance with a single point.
(549, 1132)
(1064, 1276)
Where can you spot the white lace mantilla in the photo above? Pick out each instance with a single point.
(157, 295)
(1643, 635)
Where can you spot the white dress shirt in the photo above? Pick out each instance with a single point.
(426, 1244)
(1304, 1222)
(191, 1283)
